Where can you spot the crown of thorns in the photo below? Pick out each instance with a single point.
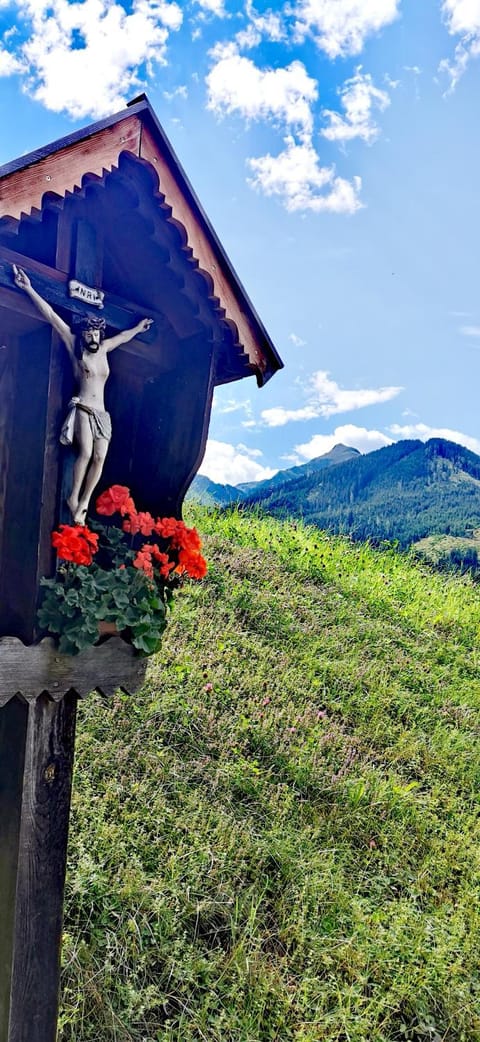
(87, 322)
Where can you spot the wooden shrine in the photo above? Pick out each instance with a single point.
(102, 222)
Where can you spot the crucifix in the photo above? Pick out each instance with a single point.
(87, 423)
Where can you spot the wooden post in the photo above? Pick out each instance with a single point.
(32, 867)
(13, 731)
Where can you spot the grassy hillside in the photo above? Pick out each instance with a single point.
(278, 839)
(449, 551)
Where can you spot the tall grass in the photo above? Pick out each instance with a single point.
(278, 839)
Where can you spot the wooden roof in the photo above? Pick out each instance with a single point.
(58, 169)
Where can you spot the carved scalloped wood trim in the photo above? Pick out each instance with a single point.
(28, 670)
(208, 261)
(62, 171)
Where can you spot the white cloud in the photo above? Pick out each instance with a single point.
(297, 179)
(340, 27)
(456, 68)
(224, 406)
(87, 58)
(8, 63)
(248, 38)
(358, 97)
(215, 7)
(232, 405)
(253, 453)
(462, 18)
(179, 92)
(13, 31)
(470, 330)
(327, 399)
(232, 464)
(296, 340)
(284, 95)
(277, 416)
(268, 25)
(334, 399)
(355, 437)
(291, 457)
(424, 432)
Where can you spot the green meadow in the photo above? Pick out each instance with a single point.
(278, 839)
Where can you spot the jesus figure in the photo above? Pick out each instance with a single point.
(87, 423)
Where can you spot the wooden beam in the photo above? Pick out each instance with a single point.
(52, 285)
(40, 874)
(35, 668)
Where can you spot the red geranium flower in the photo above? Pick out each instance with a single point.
(186, 538)
(139, 521)
(164, 562)
(147, 555)
(75, 543)
(143, 560)
(166, 527)
(182, 538)
(192, 563)
(116, 499)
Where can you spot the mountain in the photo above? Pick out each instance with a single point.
(209, 493)
(339, 454)
(405, 492)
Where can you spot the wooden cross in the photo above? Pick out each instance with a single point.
(52, 285)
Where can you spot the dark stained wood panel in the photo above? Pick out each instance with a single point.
(8, 363)
(175, 415)
(23, 504)
(119, 313)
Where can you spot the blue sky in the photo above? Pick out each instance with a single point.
(335, 147)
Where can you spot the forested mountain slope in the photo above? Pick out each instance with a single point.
(403, 492)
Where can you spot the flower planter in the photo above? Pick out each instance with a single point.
(107, 629)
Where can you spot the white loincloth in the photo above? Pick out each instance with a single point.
(100, 422)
